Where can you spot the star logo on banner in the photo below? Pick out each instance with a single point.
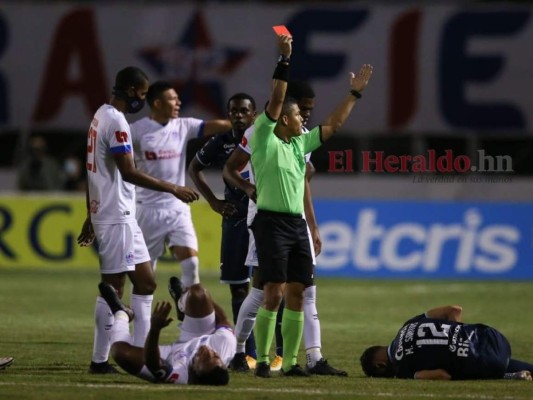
(195, 66)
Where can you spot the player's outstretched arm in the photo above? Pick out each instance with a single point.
(159, 320)
(131, 174)
(216, 126)
(280, 78)
(358, 84)
(450, 313)
(231, 173)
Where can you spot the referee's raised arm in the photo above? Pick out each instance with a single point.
(280, 78)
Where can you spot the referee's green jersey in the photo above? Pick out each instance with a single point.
(279, 167)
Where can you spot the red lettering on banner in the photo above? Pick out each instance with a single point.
(403, 71)
(75, 40)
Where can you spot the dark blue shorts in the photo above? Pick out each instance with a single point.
(491, 357)
(234, 248)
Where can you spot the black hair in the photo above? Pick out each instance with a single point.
(288, 103)
(155, 91)
(130, 76)
(218, 376)
(369, 366)
(241, 96)
(299, 90)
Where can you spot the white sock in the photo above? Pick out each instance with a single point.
(120, 332)
(246, 318)
(103, 322)
(189, 271)
(142, 307)
(312, 339)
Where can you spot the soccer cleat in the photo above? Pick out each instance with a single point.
(239, 363)
(275, 365)
(110, 295)
(297, 371)
(5, 362)
(519, 375)
(102, 368)
(323, 368)
(262, 370)
(176, 290)
(251, 362)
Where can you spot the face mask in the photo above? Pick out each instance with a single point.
(133, 104)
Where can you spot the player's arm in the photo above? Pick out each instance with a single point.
(280, 78)
(232, 176)
(219, 206)
(309, 209)
(158, 321)
(216, 126)
(449, 313)
(433, 374)
(340, 114)
(87, 236)
(131, 174)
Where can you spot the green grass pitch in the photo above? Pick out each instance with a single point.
(46, 323)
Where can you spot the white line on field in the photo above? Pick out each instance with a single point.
(218, 389)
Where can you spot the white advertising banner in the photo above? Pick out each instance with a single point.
(436, 68)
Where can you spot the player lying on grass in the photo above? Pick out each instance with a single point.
(200, 356)
(437, 345)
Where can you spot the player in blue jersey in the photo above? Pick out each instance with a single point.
(437, 345)
(234, 247)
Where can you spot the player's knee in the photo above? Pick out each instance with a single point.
(239, 292)
(146, 287)
(198, 294)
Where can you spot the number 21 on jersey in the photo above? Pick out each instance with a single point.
(91, 150)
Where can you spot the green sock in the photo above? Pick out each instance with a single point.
(265, 324)
(292, 327)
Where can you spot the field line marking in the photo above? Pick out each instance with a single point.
(303, 391)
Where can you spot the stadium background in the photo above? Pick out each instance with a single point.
(448, 75)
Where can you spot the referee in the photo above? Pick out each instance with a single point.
(283, 248)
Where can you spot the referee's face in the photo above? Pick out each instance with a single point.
(294, 120)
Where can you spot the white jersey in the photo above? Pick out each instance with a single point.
(111, 199)
(160, 151)
(222, 341)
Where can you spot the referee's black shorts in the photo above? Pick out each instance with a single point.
(283, 248)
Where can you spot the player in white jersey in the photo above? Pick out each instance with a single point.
(201, 354)
(160, 143)
(112, 177)
(315, 362)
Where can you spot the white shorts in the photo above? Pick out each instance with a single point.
(251, 257)
(120, 247)
(164, 226)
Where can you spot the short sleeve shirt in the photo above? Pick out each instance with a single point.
(111, 199)
(279, 166)
(161, 151)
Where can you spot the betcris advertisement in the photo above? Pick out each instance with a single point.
(408, 239)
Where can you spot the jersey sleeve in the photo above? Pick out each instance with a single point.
(194, 127)
(208, 153)
(263, 131)
(119, 137)
(224, 343)
(245, 142)
(311, 141)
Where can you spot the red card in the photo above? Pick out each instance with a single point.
(281, 30)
